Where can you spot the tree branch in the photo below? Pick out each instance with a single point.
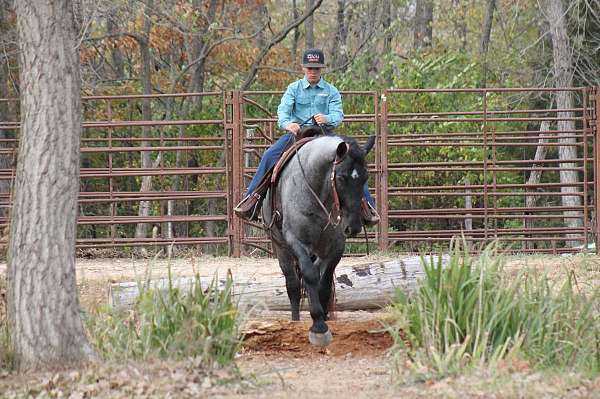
(208, 51)
(278, 38)
(138, 38)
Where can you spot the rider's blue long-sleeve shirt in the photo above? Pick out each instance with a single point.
(301, 101)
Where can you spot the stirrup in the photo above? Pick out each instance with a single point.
(248, 207)
(369, 214)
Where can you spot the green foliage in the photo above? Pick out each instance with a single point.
(472, 312)
(170, 323)
(7, 360)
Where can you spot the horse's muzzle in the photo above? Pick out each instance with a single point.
(352, 230)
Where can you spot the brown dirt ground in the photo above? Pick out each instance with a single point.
(288, 339)
(278, 362)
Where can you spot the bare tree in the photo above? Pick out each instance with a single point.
(485, 38)
(563, 77)
(118, 63)
(338, 51)
(535, 176)
(387, 23)
(488, 19)
(423, 30)
(460, 21)
(262, 15)
(276, 39)
(141, 230)
(309, 30)
(43, 306)
(296, 37)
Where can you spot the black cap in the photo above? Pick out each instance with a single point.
(313, 58)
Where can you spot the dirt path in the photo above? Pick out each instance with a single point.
(277, 355)
(278, 362)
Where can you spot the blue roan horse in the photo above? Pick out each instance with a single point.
(306, 230)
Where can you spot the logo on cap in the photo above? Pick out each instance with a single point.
(313, 58)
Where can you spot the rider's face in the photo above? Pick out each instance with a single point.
(313, 75)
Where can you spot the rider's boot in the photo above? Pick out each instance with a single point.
(249, 207)
(369, 215)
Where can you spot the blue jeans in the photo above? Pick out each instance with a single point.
(270, 158)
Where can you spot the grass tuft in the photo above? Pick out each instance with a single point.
(201, 323)
(473, 313)
(7, 360)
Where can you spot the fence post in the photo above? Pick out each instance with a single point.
(235, 177)
(381, 159)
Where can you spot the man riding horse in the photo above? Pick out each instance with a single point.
(308, 99)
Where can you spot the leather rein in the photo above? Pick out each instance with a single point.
(334, 216)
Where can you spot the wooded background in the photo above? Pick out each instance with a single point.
(153, 47)
(177, 46)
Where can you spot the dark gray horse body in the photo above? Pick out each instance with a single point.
(306, 231)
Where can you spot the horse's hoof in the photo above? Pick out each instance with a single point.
(319, 339)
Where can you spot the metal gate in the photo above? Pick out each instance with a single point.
(446, 162)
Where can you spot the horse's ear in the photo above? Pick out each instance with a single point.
(369, 144)
(341, 150)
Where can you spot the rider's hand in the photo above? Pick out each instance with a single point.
(293, 127)
(320, 119)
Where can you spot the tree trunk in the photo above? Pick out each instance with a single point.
(387, 39)
(262, 15)
(357, 287)
(45, 325)
(199, 45)
(485, 38)
(296, 37)
(423, 30)
(468, 205)
(487, 26)
(118, 64)
(309, 35)
(536, 175)
(141, 230)
(338, 51)
(563, 77)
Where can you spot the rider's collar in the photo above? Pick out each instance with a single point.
(306, 85)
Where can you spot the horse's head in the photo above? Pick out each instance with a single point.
(351, 175)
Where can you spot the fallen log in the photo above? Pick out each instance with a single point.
(357, 287)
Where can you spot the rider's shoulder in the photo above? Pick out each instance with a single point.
(329, 86)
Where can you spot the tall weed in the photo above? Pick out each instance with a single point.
(6, 353)
(472, 312)
(171, 323)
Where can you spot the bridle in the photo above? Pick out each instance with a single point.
(336, 211)
(334, 216)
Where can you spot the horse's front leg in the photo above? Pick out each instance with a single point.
(327, 267)
(319, 333)
(287, 264)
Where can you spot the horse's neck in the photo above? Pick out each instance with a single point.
(317, 167)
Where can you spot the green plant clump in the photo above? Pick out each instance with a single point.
(201, 323)
(472, 312)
